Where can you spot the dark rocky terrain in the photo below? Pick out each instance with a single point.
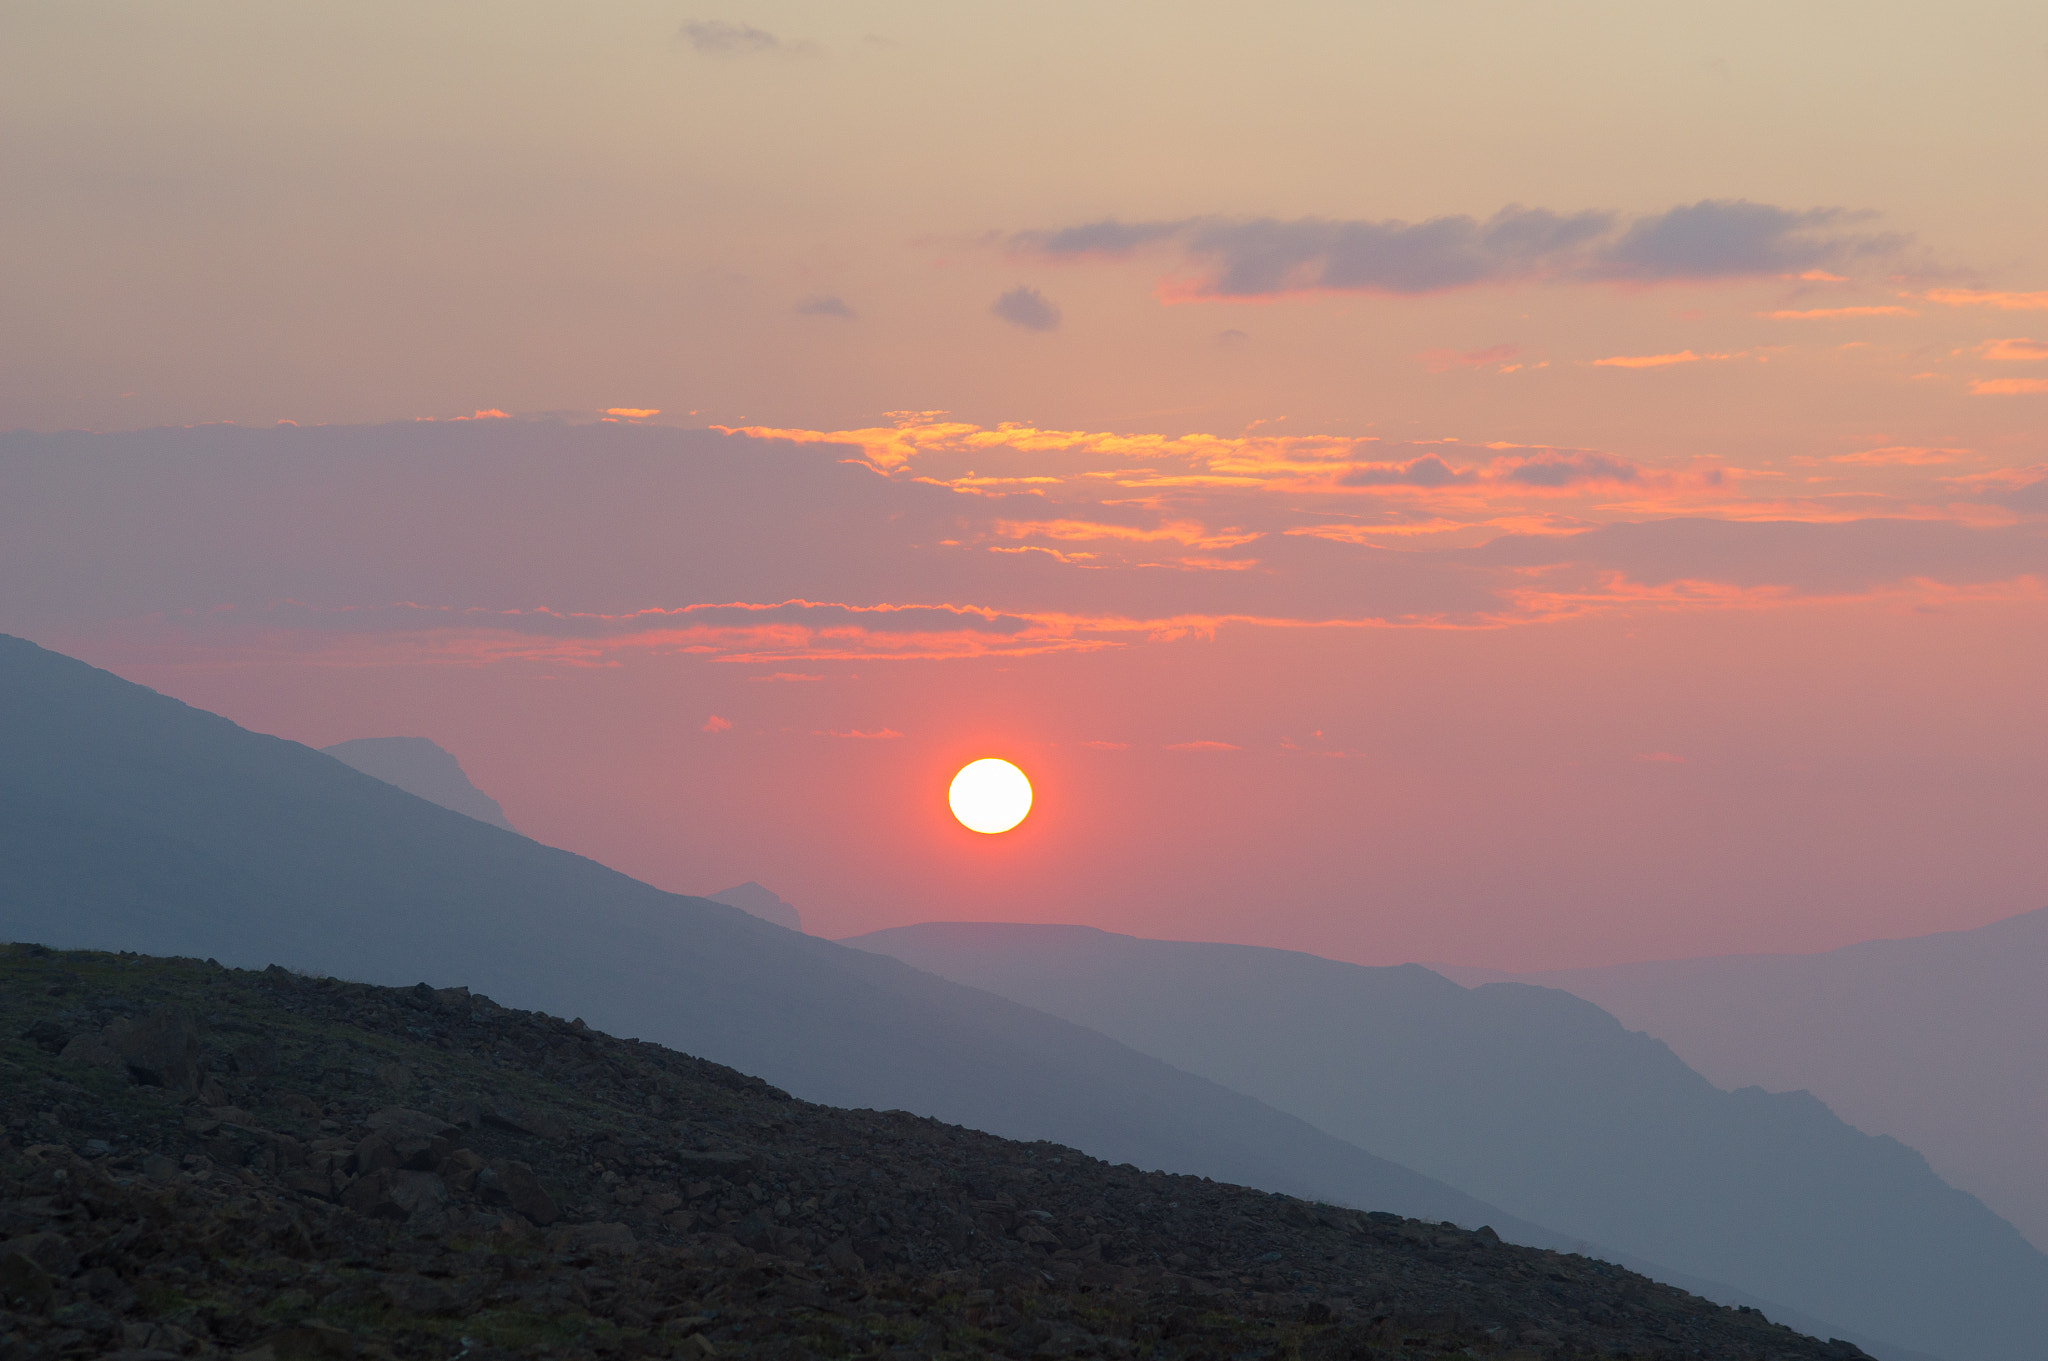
(200, 1161)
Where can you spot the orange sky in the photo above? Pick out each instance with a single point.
(1523, 487)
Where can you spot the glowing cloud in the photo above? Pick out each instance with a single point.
(1977, 297)
(1655, 361)
(1833, 313)
(2007, 387)
(632, 413)
(2017, 350)
(1906, 455)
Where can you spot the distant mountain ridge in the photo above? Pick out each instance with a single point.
(1937, 1040)
(422, 767)
(130, 821)
(1540, 1102)
(756, 901)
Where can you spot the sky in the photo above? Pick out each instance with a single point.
(1518, 485)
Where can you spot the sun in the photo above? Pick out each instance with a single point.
(989, 795)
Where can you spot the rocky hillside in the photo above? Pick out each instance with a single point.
(202, 1161)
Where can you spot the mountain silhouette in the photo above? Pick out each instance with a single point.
(1542, 1103)
(756, 901)
(1936, 1040)
(420, 767)
(130, 821)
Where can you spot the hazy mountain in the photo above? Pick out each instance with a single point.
(418, 766)
(131, 821)
(1542, 1103)
(756, 901)
(1938, 1040)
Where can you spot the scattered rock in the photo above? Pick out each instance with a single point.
(212, 1232)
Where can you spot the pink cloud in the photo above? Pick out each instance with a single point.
(1202, 746)
(716, 724)
(2007, 387)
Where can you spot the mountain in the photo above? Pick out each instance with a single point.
(405, 1172)
(130, 821)
(418, 766)
(1936, 1040)
(756, 901)
(1542, 1103)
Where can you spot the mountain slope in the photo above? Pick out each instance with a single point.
(340, 1170)
(1935, 1040)
(130, 821)
(421, 767)
(1542, 1103)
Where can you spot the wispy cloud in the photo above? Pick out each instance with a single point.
(1979, 297)
(2008, 387)
(2016, 350)
(1901, 455)
(1203, 746)
(722, 38)
(1442, 361)
(1655, 361)
(1239, 258)
(716, 724)
(1837, 313)
(826, 305)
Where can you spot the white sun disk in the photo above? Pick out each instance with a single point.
(989, 795)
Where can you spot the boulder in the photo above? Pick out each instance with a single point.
(510, 1183)
(162, 1049)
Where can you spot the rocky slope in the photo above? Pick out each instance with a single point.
(202, 1161)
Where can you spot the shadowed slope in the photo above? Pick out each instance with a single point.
(1542, 1103)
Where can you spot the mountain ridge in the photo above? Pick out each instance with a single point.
(1544, 1104)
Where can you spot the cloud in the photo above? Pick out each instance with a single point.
(1654, 361)
(786, 676)
(1565, 470)
(1907, 455)
(1831, 313)
(720, 38)
(716, 724)
(878, 734)
(1203, 746)
(1027, 307)
(1441, 361)
(632, 413)
(1723, 238)
(1269, 257)
(1977, 297)
(1426, 471)
(2007, 387)
(825, 305)
(2017, 350)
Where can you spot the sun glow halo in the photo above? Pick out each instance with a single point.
(989, 795)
